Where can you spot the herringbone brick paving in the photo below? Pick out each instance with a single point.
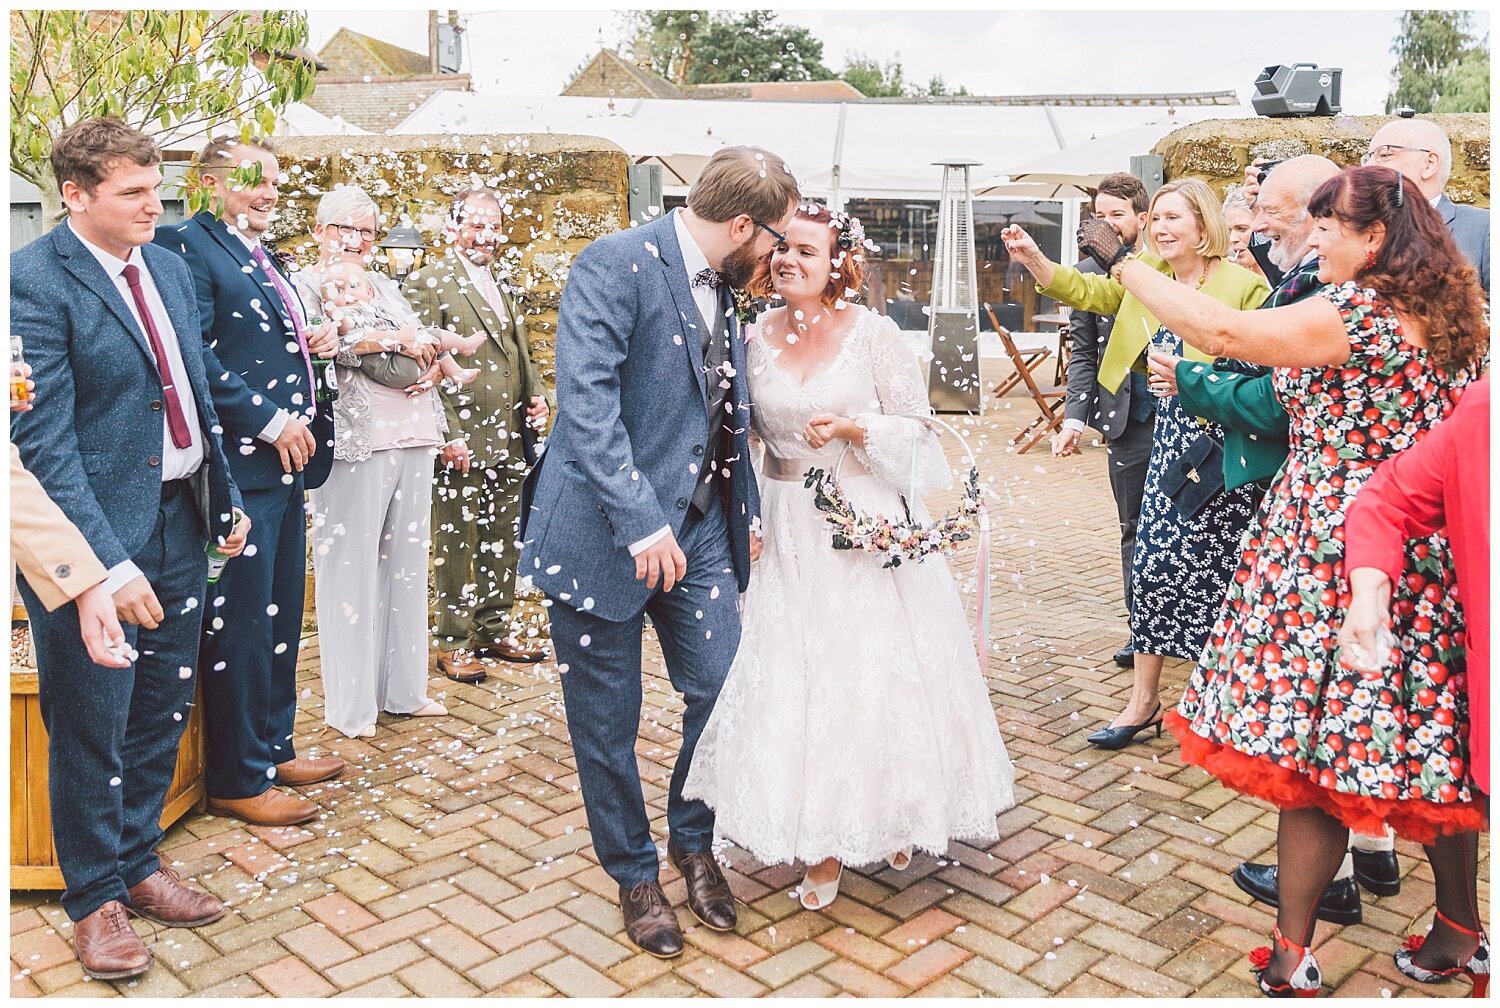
(453, 859)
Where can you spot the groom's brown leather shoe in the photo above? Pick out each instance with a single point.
(649, 920)
(708, 890)
(108, 946)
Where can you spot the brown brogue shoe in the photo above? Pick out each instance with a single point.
(649, 920)
(108, 946)
(307, 770)
(273, 808)
(161, 897)
(462, 666)
(512, 650)
(709, 897)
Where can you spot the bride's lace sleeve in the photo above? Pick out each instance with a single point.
(900, 448)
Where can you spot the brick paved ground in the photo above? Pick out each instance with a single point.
(454, 859)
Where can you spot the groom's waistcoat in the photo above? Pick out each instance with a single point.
(715, 356)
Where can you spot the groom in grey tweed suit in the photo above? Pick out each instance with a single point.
(644, 502)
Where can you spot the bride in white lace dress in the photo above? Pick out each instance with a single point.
(854, 724)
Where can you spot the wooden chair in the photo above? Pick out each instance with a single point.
(1048, 398)
(1033, 355)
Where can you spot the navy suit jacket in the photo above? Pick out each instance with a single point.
(250, 350)
(95, 438)
(624, 455)
(1470, 227)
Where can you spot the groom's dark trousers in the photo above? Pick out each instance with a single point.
(698, 625)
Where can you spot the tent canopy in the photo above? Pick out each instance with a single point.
(876, 149)
(1084, 165)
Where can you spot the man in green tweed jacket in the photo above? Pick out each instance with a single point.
(478, 491)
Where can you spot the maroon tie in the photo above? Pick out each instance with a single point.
(176, 420)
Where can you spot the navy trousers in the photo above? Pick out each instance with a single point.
(1128, 456)
(698, 624)
(251, 628)
(112, 734)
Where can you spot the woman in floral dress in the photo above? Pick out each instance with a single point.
(1365, 369)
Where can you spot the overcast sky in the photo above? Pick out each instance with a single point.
(990, 52)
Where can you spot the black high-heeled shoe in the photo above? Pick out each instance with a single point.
(1119, 738)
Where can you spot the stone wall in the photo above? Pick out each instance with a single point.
(1217, 150)
(560, 193)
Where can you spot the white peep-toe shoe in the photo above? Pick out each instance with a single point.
(823, 894)
(901, 860)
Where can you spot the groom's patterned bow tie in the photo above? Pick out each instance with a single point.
(707, 277)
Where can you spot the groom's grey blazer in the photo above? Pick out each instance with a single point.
(631, 432)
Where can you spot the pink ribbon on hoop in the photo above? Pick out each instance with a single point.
(982, 607)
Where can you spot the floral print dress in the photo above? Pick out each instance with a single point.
(1269, 710)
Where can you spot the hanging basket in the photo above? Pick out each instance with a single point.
(899, 538)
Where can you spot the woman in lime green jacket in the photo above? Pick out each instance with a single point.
(1183, 561)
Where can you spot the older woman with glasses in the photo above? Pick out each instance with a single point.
(371, 519)
(1366, 369)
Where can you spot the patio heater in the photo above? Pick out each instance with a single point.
(953, 328)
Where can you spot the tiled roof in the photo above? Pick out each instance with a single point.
(609, 75)
(349, 53)
(825, 90)
(380, 103)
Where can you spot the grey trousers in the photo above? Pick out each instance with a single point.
(370, 540)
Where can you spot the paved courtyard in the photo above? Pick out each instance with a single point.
(454, 858)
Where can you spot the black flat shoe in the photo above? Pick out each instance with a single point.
(1119, 738)
(1377, 871)
(1338, 905)
(1125, 657)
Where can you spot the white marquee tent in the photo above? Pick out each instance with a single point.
(876, 150)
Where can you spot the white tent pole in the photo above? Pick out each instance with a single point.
(1056, 129)
(837, 200)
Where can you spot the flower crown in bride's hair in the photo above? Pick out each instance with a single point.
(851, 233)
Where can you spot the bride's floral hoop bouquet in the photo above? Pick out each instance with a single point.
(898, 538)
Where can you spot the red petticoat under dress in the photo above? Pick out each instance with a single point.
(1269, 711)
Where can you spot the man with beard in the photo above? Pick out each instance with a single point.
(644, 504)
(1236, 394)
(477, 499)
(1126, 418)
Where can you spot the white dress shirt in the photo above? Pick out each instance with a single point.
(707, 300)
(176, 463)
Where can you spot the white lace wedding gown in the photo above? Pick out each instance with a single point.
(854, 721)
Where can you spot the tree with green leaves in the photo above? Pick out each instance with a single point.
(699, 47)
(1440, 65)
(884, 80)
(178, 74)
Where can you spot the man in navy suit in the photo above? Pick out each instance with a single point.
(644, 504)
(1420, 150)
(124, 439)
(257, 348)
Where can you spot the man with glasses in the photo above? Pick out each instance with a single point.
(645, 504)
(476, 502)
(1420, 150)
